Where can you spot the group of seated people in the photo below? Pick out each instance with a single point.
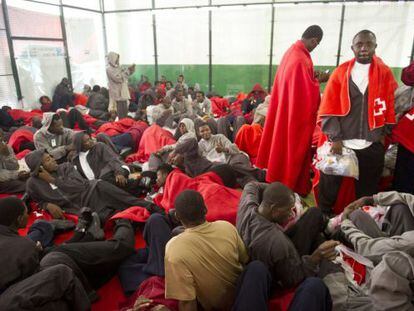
(217, 237)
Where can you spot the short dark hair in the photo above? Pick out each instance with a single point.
(203, 124)
(313, 31)
(200, 92)
(10, 209)
(56, 117)
(181, 75)
(365, 32)
(278, 194)
(165, 168)
(42, 97)
(96, 88)
(157, 82)
(190, 207)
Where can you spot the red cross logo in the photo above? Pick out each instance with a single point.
(379, 107)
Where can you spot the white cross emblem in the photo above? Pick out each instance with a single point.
(410, 116)
(379, 107)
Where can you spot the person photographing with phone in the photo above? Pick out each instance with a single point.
(118, 85)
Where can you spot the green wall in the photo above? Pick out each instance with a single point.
(227, 79)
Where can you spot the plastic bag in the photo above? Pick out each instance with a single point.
(334, 164)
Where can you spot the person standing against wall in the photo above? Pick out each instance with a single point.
(118, 85)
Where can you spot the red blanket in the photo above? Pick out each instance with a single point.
(248, 140)
(221, 201)
(285, 148)
(403, 133)
(152, 140)
(20, 136)
(25, 115)
(381, 88)
(219, 106)
(80, 99)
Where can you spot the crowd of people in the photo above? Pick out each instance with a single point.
(220, 188)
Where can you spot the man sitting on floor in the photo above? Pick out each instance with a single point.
(202, 264)
(263, 210)
(12, 176)
(53, 137)
(218, 148)
(59, 188)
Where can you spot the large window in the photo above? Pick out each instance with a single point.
(86, 48)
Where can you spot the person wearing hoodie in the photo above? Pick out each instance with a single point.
(53, 137)
(61, 188)
(118, 84)
(254, 98)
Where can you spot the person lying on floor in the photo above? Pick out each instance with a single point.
(92, 262)
(387, 282)
(392, 211)
(13, 176)
(218, 148)
(292, 255)
(24, 284)
(95, 160)
(61, 188)
(56, 139)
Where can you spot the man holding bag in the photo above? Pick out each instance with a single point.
(356, 110)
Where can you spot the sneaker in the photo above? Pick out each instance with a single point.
(85, 219)
(95, 228)
(62, 225)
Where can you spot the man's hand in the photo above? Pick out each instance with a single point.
(4, 150)
(55, 211)
(141, 303)
(121, 180)
(325, 251)
(220, 148)
(337, 147)
(44, 175)
(358, 204)
(23, 175)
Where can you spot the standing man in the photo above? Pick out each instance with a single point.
(357, 108)
(118, 85)
(285, 148)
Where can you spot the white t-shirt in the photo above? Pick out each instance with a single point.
(360, 76)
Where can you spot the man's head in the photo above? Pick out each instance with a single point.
(166, 102)
(65, 81)
(45, 100)
(162, 174)
(49, 163)
(86, 142)
(277, 203)
(179, 94)
(364, 44)
(157, 84)
(180, 79)
(200, 96)
(190, 208)
(56, 126)
(13, 213)
(312, 37)
(204, 131)
(163, 79)
(168, 85)
(96, 88)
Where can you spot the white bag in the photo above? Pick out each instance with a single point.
(335, 164)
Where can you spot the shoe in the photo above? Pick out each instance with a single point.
(62, 225)
(85, 219)
(95, 228)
